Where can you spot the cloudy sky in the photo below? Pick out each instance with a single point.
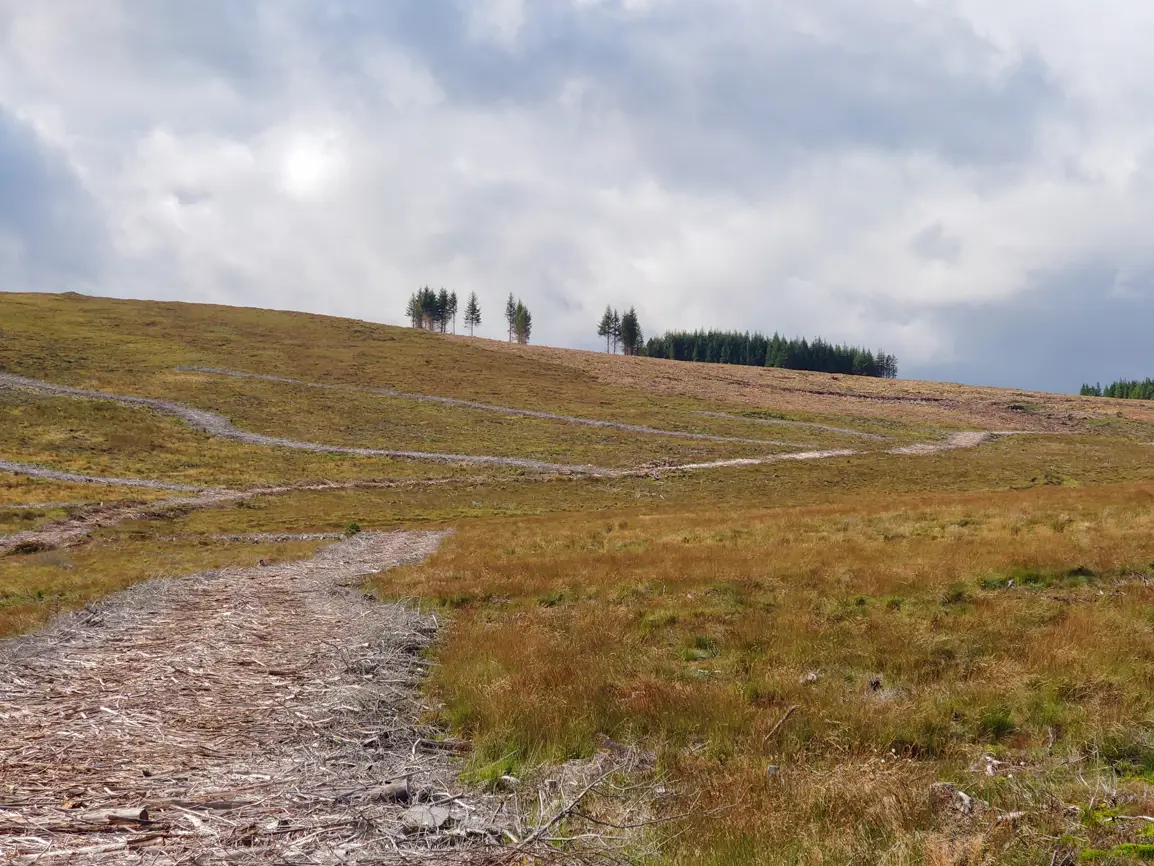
(968, 184)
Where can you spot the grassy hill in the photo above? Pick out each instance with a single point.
(869, 623)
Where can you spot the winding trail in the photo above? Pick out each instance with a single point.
(82, 523)
(505, 410)
(250, 715)
(845, 431)
(34, 471)
(220, 427)
(76, 526)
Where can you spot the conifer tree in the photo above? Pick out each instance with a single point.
(511, 315)
(630, 333)
(426, 300)
(615, 330)
(413, 310)
(721, 347)
(442, 310)
(605, 328)
(452, 310)
(472, 313)
(522, 322)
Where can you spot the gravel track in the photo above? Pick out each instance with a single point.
(755, 461)
(504, 410)
(969, 439)
(249, 716)
(34, 471)
(220, 427)
(845, 431)
(77, 526)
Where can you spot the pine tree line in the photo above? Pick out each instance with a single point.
(434, 311)
(1123, 389)
(757, 350)
(621, 330)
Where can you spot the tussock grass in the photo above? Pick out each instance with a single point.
(693, 633)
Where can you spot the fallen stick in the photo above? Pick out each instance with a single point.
(116, 816)
(781, 722)
(567, 810)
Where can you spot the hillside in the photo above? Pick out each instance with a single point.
(872, 587)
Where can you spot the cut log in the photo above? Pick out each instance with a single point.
(448, 745)
(394, 792)
(116, 816)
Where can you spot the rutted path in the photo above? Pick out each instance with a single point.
(34, 471)
(256, 715)
(845, 431)
(504, 410)
(969, 439)
(87, 519)
(221, 427)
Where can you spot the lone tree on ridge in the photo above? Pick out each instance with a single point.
(472, 313)
(522, 322)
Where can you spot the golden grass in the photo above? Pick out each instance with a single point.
(827, 396)
(692, 634)
(682, 612)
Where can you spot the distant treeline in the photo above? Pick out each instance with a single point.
(1124, 389)
(757, 350)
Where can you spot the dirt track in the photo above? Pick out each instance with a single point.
(221, 427)
(86, 519)
(505, 410)
(34, 471)
(253, 713)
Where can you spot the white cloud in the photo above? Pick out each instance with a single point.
(868, 173)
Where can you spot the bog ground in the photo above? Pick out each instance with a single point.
(682, 613)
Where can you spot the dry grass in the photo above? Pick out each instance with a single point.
(693, 634)
(680, 613)
(862, 400)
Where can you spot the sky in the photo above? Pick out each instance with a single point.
(967, 184)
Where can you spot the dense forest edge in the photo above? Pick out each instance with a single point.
(757, 350)
(1123, 389)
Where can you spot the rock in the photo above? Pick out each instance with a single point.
(424, 819)
(946, 796)
(772, 770)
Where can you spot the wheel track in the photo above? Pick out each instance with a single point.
(220, 427)
(503, 410)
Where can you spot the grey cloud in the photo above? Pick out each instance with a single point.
(50, 225)
(1069, 328)
(932, 243)
(698, 82)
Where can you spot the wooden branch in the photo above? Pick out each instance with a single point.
(567, 810)
(781, 722)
